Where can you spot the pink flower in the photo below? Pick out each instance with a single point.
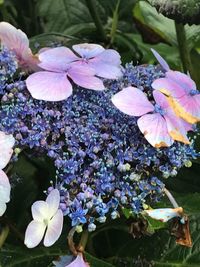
(105, 62)
(78, 262)
(17, 41)
(53, 84)
(6, 145)
(47, 221)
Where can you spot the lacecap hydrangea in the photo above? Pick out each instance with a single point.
(102, 160)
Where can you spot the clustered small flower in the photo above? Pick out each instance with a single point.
(103, 162)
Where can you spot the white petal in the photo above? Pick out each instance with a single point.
(53, 201)
(54, 229)
(4, 187)
(7, 141)
(40, 211)
(88, 50)
(34, 233)
(2, 208)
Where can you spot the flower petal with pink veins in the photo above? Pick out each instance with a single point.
(84, 78)
(34, 233)
(49, 86)
(132, 101)
(56, 59)
(86, 50)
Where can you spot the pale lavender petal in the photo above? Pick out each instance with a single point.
(80, 76)
(161, 99)
(132, 101)
(78, 262)
(154, 128)
(108, 56)
(168, 87)
(105, 70)
(86, 50)
(53, 201)
(40, 210)
(4, 187)
(7, 141)
(49, 86)
(164, 214)
(182, 79)
(57, 59)
(34, 233)
(161, 60)
(54, 229)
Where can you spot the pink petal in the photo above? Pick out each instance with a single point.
(34, 233)
(105, 70)
(176, 128)
(57, 59)
(168, 87)
(53, 201)
(108, 56)
(4, 187)
(132, 101)
(86, 50)
(161, 99)
(49, 86)
(154, 128)
(83, 77)
(160, 59)
(14, 39)
(7, 141)
(182, 79)
(54, 229)
(40, 211)
(78, 262)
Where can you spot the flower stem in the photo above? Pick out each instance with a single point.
(97, 21)
(183, 48)
(83, 241)
(70, 239)
(171, 198)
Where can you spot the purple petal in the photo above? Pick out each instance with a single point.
(83, 76)
(57, 59)
(54, 229)
(49, 86)
(154, 128)
(53, 201)
(34, 233)
(88, 50)
(132, 101)
(108, 56)
(161, 60)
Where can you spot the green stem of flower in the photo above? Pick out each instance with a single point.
(97, 21)
(70, 239)
(83, 242)
(183, 48)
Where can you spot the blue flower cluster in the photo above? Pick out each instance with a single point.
(103, 162)
(8, 67)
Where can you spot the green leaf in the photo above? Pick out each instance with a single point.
(147, 15)
(182, 11)
(94, 262)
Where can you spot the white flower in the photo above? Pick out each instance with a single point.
(7, 142)
(47, 221)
